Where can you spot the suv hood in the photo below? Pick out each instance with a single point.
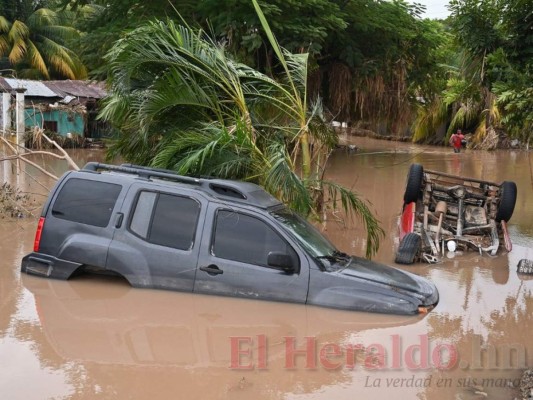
(369, 286)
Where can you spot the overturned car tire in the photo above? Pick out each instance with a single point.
(408, 249)
(414, 183)
(507, 201)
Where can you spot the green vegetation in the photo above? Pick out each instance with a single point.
(181, 102)
(375, 63)
(34, 42)
(248, 92)
(488, 90)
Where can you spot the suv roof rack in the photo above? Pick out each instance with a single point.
(143, 172)
(243, 191)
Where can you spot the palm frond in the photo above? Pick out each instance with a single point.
(293, 64)
(42, 17)
(468, 113)
(319, 128)
(213, 151)
(5, 45)
(60, 34)
(353, 206)
(481, 131)
(5, 25)
(282, 182)
(58, 57)
(36, 60)
(297, 67)
(18, 51)
(430, 117)
(19, 32)
(172, 96)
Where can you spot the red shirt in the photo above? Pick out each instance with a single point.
(456, 140)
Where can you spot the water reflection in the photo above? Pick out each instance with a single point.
(103, 324)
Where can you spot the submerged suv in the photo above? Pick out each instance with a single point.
(158, 229)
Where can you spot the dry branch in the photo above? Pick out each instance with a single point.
(62, 151)
(23, 157)
(31, 153)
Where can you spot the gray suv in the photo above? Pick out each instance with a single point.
(158, 229)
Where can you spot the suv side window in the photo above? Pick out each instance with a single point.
(166, 219)
(243, 238)
(143, 213)
(87, 202)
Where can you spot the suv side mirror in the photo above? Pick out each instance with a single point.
(280, 261)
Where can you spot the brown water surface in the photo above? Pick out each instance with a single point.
(98, 338)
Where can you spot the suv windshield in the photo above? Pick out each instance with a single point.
(309, 237)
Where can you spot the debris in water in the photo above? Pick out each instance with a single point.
(525, 266)
(526, 385)
(13, 203)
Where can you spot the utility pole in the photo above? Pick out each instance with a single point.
(20, 116)
(6, 113)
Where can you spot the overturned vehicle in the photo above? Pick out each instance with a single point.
(443, 212)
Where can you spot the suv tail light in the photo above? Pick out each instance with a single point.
(38, 233)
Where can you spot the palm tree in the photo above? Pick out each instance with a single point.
(181, 102)
(37, 47)
(466, 102)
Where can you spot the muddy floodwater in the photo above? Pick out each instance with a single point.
(98, 338)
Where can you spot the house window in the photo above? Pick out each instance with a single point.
(50, 126)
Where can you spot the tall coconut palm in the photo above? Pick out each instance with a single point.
(37, 47)
(181, 102)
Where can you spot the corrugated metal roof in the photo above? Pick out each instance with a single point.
(81, 90)
(85, 89)
(33, 88)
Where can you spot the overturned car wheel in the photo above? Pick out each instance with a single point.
(507, 201)
(414, 183)
(408, 249)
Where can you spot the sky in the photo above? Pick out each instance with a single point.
(435, 8)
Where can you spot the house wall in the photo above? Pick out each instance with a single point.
(66, 121)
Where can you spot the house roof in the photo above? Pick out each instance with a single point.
(82, 90)
(85, 89)
(33, 88)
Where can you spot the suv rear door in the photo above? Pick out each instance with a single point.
(79, 217)
(157, 243)
(233, 254)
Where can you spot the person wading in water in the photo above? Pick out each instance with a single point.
(456, 140)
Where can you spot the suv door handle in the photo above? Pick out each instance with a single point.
(118, 220)
(212, 270)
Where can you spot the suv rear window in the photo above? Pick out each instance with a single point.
(87, 202)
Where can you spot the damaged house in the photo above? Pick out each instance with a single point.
(64, 107)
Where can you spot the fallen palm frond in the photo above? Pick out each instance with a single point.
(489, 138)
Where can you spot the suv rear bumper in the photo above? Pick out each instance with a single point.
(48, 266)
